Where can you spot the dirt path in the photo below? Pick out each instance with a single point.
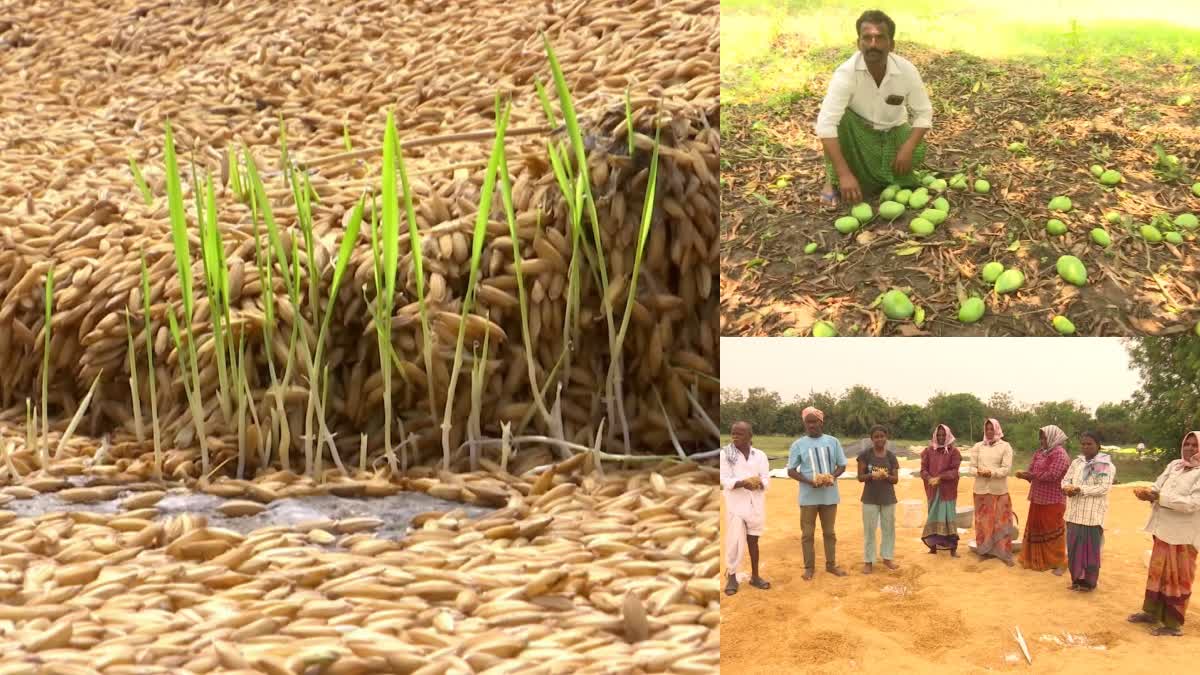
(937, 612)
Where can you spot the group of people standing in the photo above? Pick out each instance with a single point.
(1064, 530)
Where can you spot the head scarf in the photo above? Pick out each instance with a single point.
(999, 432)
(949, 438)
(812, 411)
(1194, 463)
(1054, 437)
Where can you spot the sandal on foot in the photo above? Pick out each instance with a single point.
(830, 200)
(1163, 631)
(760, 583)
(1140, 617)
(732, 586)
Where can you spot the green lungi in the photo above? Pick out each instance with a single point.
(870, 154)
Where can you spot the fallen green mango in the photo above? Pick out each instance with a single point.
(888, 194)
(921, 191)
(896, 305)
(919, 316)
(1113, 217)
(1187, 221)
(1151, 234)
(824, 329)
(959, 183)
(992, 271)
(1183, 100)
(1100, 236)
(811, 248)
(934, 216)
(903, 196)
(1060, 204)
(971, 310)
(1173, 238)
(982, 186)
(891, 210)
(846, 224)
(1196, 189)
(1009, 281)
(941, 205)
(921, 227)
(1110, 177)
(1056, 227)
(1097, 170)
(1016, 146)
(862, 212)
(918, 201)
(927, 179)
(1063, 325)
(938, 185)
(1072, 270)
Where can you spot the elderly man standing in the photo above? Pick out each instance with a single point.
(745, 474)
(816, 460)
(863, 123)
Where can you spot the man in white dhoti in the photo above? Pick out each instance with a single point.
(745, 473)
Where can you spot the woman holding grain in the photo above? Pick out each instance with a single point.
(1175, 526)
(879, 471)
(991, 462)
(1086, 487)
(1045, 543)
(939, 471)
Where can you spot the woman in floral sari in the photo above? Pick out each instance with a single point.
(1175, 526)
(991, 461)
(939, 471)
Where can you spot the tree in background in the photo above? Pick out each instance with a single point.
(860, 409)
(1002, 407)
(964, 413)
(1168, 403)
(910, 421)
(1117, 423)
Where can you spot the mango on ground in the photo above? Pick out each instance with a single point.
(847, 224)
(824, 329)
(992, 271)
(972, 310)
(1056, 227)
(896, 305)
(1010, 280)
(1151, 234)
(1060, 203)
(1063, 325)
(891, 210)
(1072, 270)
(921, 227)
(1100, 236)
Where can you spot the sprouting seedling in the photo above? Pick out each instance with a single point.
(140, 181)
(49, 304)
(131, 355)
(614, 372)
(481, 220)
(629, 122)
(346, 137)
(387, 256)
(150, 369)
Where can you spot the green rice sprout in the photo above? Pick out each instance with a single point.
(78, 416)
(614, 369)
(522, 298)
(31, 428)
(346, 137)
(49, 305)
(138, 429)
(216, 281)
(151, 376)
(140, 181)
(183, 256)
(481, 220)
(191, 389)
(388, 254)
(478, 377)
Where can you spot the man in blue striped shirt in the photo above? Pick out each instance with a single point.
(817, 454)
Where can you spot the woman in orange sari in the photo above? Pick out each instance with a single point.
(1044, 546)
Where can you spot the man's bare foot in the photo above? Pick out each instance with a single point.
(867, 568)
(890, 565)
(835, 571)
(808, 575)
(1140, 617)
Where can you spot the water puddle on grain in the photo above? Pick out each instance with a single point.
(396, 511)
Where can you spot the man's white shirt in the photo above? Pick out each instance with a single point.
(741, 501)
(853, 86)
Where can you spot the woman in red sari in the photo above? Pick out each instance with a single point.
(939, 471)
(1175, 526)
(1044, 546)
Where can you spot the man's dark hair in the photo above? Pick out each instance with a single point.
(1092, 435)
(879, 427)
(877, 17)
